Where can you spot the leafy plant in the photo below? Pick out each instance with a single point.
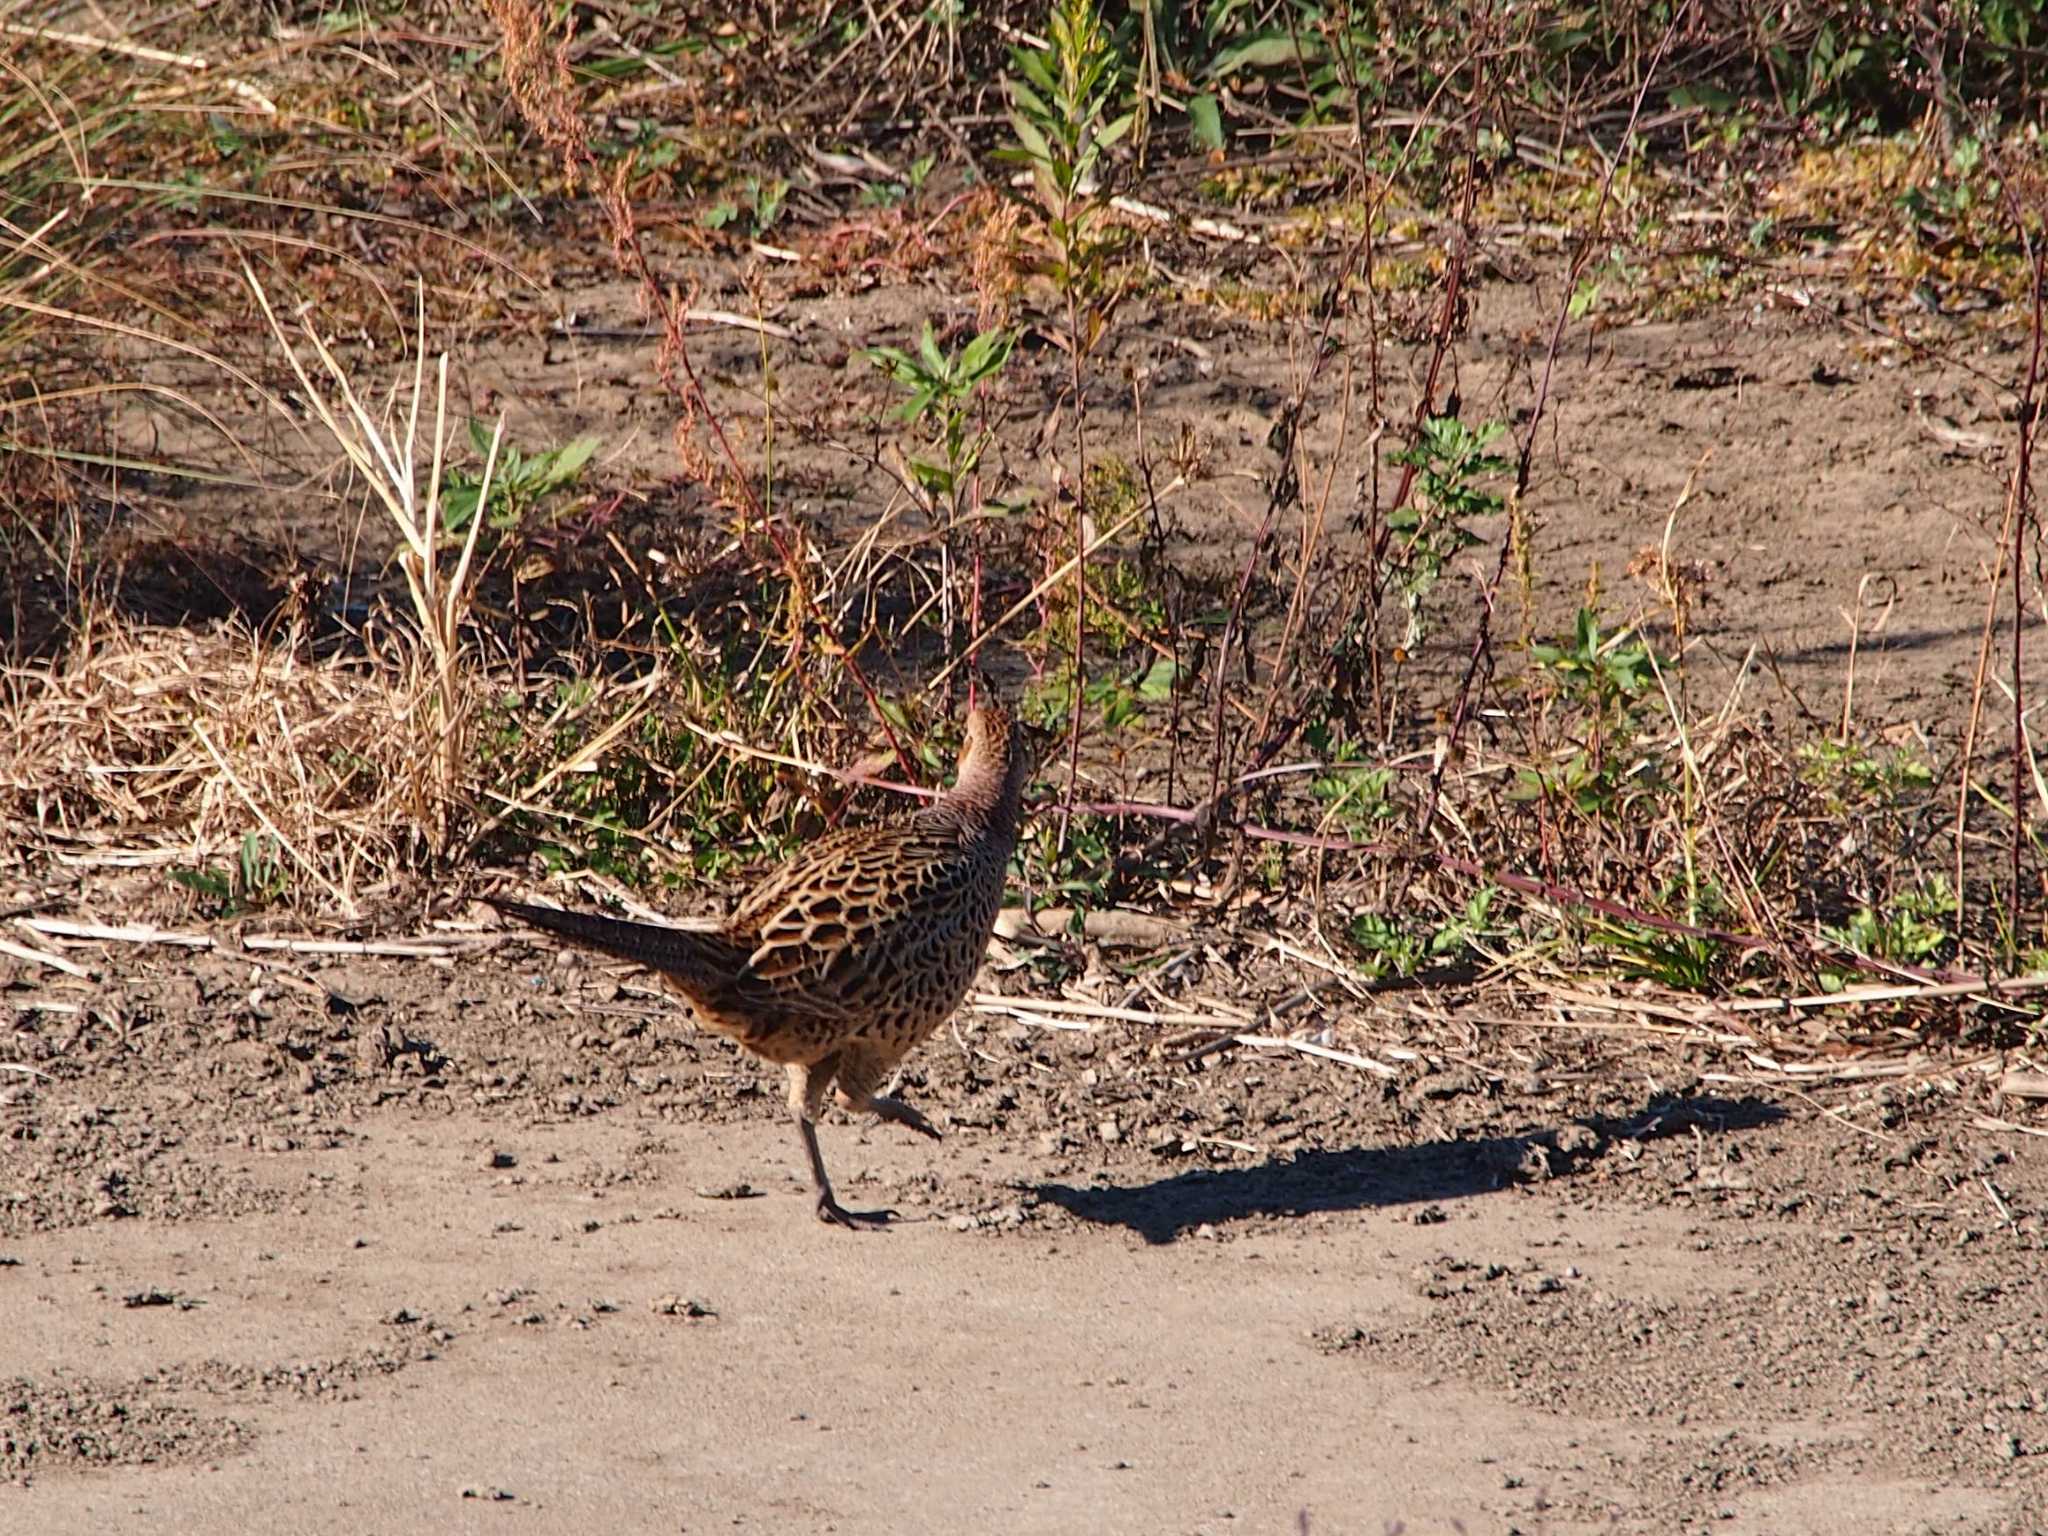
(1908, 929)
(1450, 461)
(1359, 795)
(1600, 672)
(1118, 699)
(521, 483)
(1602, 677)
(942, 392)
(763, 207)
(887, 194)
(1851, 773)
(1060, 102)
(1389, 949)
(1684, 962)
(255, 879)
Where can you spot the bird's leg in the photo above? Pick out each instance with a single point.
(860, 1071)
(806, 1091)
(883, 1107)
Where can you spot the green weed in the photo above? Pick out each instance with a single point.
(256, 879)
(1451, 462)
(943, 390)
(1358, 796)
(1388, 949)
(1909, 929)
(1116, 699)
(761, 204)
(1601, 678)
(521, 483)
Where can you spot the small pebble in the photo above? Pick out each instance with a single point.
(679, 1306)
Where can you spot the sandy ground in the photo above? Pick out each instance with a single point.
(504, 1242)
(411, 1336)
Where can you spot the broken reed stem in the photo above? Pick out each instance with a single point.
(440, 598)
(2011, 547)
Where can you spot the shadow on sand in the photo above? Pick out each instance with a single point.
(1364, 1178)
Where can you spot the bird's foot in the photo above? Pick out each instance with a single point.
(835, 1214)
(903, 1114)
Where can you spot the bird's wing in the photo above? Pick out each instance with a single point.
(848, 902)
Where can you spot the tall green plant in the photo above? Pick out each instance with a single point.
(1061, 100)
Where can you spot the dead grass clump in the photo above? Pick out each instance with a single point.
(148, 745)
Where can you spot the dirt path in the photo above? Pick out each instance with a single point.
(486, 1326)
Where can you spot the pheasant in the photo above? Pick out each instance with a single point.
(844, 959)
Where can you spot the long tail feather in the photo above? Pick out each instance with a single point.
(700, 957)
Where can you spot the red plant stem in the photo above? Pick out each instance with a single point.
(2022, 496)
(1482, 641)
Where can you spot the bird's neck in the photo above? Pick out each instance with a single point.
(989, 791)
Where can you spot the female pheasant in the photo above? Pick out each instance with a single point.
(843, 960)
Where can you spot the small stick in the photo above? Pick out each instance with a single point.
(134, 933)
(90, 43)
(993, 1002)
(1837, 1115)
(43, 957)
(395, 948)
(1998, 1200)
(1283, 1042)
(723, 317)
(1224, 1141)
(1855, 1072)
(1207, 1047)
(1992, 1123)
(1043, 1021)
(1970, 986)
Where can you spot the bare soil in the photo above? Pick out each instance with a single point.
(488, 1241)
(425, 1239)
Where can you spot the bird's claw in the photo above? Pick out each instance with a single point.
(904, 1114)
(833, 1213)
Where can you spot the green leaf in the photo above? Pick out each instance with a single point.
(1699, 94)
(1205, 121)
(458, 506)
(205, 882)
(985, 355)
(1036, 150)
(928, 350)
(1157, 683)
(570, 458)
(1263, 53)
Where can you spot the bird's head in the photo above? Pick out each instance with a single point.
(994, 759)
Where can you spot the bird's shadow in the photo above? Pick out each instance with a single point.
(1367, 1177)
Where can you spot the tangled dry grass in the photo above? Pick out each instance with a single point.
(168, 746)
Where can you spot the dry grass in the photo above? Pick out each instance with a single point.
(161, 746)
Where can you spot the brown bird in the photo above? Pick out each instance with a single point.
(844, 959)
